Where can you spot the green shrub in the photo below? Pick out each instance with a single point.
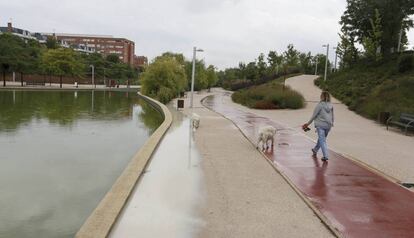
(269, 96)
(165, 95)
(164, 79)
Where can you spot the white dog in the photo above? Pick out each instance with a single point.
(195, 120)
(266, 133)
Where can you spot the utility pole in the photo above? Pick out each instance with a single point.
(336, 57)
(326, 61)
(104, 76)
(399, 40)
(93, 75)
(195, 50)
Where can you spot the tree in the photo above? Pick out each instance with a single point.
(261, 65)
(177, 56)
(113, 58)
(291, 56)
(211, 76)
(51, 42)
(17, 55)
(164, 79)
(347, 51)
(100, 64)
(252, 71)
(242, 71)
(275, 61)
(372, 43)
(11, 48)
(62, 62)
(320, 60)
(395, 18)
(200, 77)
(305, 62)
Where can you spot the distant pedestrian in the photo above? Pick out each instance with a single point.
(323, 117)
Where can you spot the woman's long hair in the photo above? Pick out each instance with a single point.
(325, 96)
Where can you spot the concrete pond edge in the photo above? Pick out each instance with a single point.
(103, 218)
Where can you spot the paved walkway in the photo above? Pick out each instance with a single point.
(354, 200)
(243, 195)
(390, 152)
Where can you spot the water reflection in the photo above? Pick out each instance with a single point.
(60, 152)
(17, 108)
(165, 201)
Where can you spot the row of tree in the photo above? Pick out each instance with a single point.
(269, 67)
(170, 74)
(378, 26)
(31, 57)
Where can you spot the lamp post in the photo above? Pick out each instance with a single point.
(316, 65)
(399, 40)
(326, 61)
(195, 50)
(104, 76)
(93, 75)
(336, 57)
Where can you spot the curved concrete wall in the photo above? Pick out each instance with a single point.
(100, 222)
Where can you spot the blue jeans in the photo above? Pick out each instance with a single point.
(322, 134)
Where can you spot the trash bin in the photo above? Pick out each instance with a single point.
(180, 103)
(383, 117)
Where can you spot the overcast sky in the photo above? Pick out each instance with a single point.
(229, 31)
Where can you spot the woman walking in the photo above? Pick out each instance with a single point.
(323, 117)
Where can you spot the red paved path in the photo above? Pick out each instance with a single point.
(356, 201)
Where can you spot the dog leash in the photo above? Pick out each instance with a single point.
(291, 128)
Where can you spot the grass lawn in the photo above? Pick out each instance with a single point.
(272, 95)
(370, 89)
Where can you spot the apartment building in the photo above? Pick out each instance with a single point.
(24, 34)
(140, 61)
(103, 44)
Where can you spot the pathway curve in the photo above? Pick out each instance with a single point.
(390, 152)
(355, 201)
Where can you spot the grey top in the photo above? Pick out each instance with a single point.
(323, 115)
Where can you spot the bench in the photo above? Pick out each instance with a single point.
(35, 83)
(405, 121)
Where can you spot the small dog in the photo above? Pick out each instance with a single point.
(266, 133)
(195, 120)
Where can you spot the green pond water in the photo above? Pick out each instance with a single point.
(60, 152)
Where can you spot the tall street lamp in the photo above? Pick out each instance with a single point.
(93, 74)
(326, 61)
(104, 76)
(400, 39)
(195, 50)
(336, 57)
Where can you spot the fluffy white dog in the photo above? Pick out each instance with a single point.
(195, 120)
(266, 133)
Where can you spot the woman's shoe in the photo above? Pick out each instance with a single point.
(314, 153)
(324, 159)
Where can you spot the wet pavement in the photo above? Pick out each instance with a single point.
(355, 201)
(165, 200)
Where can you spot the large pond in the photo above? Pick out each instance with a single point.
(60, 152)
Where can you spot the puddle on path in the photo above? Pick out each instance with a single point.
(167, 198)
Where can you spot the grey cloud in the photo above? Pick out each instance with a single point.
(229, 30)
